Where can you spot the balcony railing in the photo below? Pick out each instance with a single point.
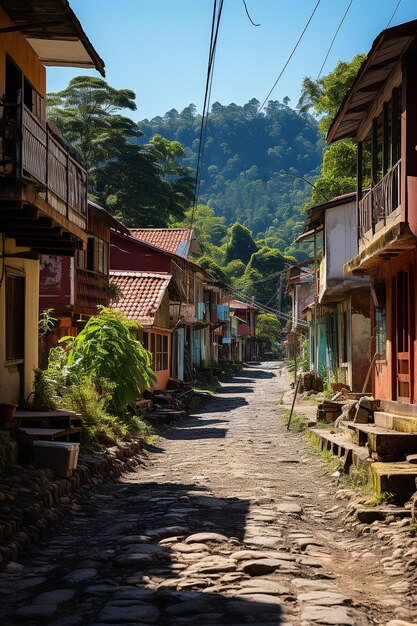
(92, 290)
(243, 330)
(381, 201)
(29, 151)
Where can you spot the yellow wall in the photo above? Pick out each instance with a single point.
(9, 375)
(16, 46)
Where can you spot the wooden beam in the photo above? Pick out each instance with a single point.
(385, 138)
(394, 126)
(374, 151)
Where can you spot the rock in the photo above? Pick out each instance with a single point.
(187, 548)
(57, 596)
(79, 575)
(306, 583)
(244, 608)
(262, 566)
(323, 598)
(134, 560)
(259, 585)
(113, 614)
(400, 622)
(37, 610)
(206, 537)
(332, 616)
(266, 541)
(289, 507)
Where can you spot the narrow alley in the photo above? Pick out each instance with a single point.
(231, 519)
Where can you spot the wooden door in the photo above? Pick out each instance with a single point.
(403, 337)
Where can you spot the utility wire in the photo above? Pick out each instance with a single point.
(216, 18)
(393, 15)
(334, 37)
(290, 56)
(249, 17)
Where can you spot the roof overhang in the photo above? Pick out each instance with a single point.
(54, 32)
(377, 69)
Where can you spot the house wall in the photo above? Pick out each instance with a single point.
(16, 46)
(55, 283)
(9, 374)
(129, 254)
(384, 385)
(361, 339)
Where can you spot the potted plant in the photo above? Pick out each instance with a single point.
(7, 412)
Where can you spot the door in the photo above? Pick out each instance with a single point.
(403, 361)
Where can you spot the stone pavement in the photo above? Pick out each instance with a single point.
(231, 519)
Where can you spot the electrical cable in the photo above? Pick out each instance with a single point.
(393, 15)
(334, 38)
(290, 57)
(216, 18)
(247, 13)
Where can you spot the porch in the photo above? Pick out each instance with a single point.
(43, 189)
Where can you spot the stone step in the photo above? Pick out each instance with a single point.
(340, 445)
(392, 421)
(396, 478)
(398, 408)
(384, 444)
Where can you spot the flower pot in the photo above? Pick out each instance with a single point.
(7, 412)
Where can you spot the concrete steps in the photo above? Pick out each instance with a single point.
(396, 478)
(400, 423)
(384, 444)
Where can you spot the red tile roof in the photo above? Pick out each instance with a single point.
(180, 241)
(142, 294)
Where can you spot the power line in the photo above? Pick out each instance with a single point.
(334, 38)
(215, 25)
(290, 57)
(393, 15)
(249, 17)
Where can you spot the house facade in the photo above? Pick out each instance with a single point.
(43, 191)
(343, 324)
(378, 113)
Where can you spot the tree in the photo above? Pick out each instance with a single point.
(144, 184)
(241, 245)
(268, 330)
(87, 114)
(324, 96)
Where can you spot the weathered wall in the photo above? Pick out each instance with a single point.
(9, 373)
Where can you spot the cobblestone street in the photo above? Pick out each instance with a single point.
(231, 519)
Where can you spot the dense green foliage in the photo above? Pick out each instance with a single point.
(268, 330)
(107, 351)
(245, 162)
(144, 184)
(324, 97)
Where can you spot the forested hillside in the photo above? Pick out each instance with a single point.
(245, 159)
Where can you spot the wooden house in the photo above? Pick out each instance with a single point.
(43, 188)
(378, 112)
(74, 287)
(342, 324)
(144, 297)
(245, 343)
(187, 309)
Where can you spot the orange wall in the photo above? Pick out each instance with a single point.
(16, 46)
(384, 386)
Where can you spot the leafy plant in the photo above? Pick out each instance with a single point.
(42, 396)
(385, 497)
(46, 322)
(107, 351)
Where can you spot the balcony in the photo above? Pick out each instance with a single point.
(243, 330)
(380, 204)
(41, 179)
(92, 290)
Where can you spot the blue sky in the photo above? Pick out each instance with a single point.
(159, 48)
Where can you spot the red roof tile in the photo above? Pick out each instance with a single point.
(180, 241)
(142, 294)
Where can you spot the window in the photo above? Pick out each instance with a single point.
(158, 346)
(98, 255)
(15, 316)
(380, 321)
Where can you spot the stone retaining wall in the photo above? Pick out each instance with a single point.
(31, 500)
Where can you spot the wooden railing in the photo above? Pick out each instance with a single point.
(381, 201)
(28, 150)
(92, 289)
